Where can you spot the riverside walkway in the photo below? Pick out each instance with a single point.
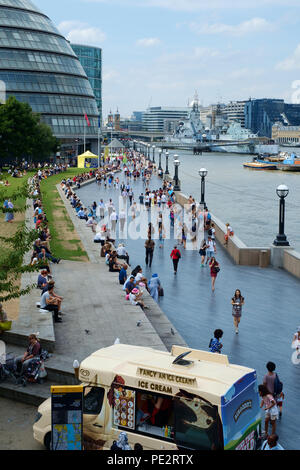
(270, 315)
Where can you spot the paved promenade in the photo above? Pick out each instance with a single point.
(270, 315)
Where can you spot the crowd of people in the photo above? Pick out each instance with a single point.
(119, 175)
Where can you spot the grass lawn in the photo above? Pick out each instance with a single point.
(65, 242)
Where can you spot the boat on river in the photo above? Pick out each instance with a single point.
(260, 165)
(291, 163)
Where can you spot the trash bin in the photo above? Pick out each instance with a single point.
(263, 258)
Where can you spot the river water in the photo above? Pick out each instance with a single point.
(243, 197)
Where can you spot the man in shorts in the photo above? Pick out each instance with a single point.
(210, 252)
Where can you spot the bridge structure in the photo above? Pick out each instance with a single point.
(144, 135)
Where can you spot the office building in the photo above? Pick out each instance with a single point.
(285, 134)
(154, 118)
(91, 61)
(39, 67)
(261, 115)
(235, 111)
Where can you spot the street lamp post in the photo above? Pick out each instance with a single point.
(176, 179)
(167, 163)
(203, 173)
(282, 192)
(159, 154)
(153, 157)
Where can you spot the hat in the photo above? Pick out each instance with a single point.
(154, 275)
(135, 291)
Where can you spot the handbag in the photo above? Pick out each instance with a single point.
(161, 292)
(5, 325)
(217, 269)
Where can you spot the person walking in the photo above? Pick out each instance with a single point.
(122, 218)
(215, 345)
(210, 250)
(237, 302)
(214, 269)
(271, 410)
(175, 255)
(149, 246)
(273, 384)
(202, 251)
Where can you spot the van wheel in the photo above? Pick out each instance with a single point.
(47, 441)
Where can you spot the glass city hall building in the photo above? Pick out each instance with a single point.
(39, 67)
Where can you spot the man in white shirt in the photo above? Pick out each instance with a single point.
(272, 443)
(113, 220)
(122, 253)
(210, 252)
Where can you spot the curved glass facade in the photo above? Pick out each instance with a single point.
(91, 61)
(39, 67)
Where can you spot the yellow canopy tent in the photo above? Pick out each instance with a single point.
(81, 162)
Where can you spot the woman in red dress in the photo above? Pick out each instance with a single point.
(214, 269)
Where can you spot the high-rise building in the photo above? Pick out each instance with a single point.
(235, 111)
(153, 118)
(40, 68)
(261, 115)
(91, 61)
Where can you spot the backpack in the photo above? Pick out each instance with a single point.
(209, 232)
(278, 386)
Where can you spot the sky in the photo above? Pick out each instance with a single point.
(158, 52)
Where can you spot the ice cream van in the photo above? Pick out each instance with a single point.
(183, 399)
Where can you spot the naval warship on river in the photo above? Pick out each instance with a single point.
(192, 134)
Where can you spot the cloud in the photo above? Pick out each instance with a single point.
(246, 73)
(110, 75)
(292, 62)
(148, 42)
(197, 5)
(254, 25)
(78, 32)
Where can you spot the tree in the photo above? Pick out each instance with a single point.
(13, 250)
(22, 135)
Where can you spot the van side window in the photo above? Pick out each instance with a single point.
(93, 400)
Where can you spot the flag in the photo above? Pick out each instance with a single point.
(87, 120)
(99, 122)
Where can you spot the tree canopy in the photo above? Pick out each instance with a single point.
(22, 134)
(14, 247)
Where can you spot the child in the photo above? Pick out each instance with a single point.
(271, 410)
(215, 346)
(279, 401)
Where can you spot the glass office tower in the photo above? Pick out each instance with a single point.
(91, 61)
(39, 67)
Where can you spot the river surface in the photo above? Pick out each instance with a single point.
(243, 197)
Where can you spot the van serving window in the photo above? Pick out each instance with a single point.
(155, 415)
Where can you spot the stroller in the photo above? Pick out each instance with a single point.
(35, 372)
(8, 368)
